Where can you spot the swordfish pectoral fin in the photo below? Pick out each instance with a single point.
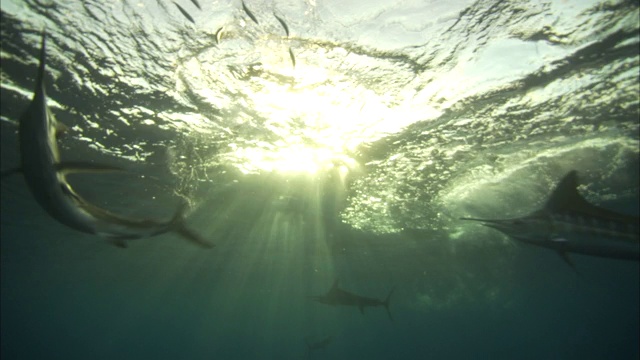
(565, 257)
(118, 243)
(68, 167)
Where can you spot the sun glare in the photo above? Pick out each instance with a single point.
(293, 159)
(321, 122)
(314, 115)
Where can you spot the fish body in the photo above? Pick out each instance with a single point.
(185, 13)
(249, 13)
(219, 35)
(293, 57)
(197, 4)
(569, 224)
(45, 176)
(336, 296)
(317, 345)
(284, 24)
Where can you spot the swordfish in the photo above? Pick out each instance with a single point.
(336, 296)
(45, 176)
(569, 224)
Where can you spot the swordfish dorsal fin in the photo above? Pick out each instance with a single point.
(565, 197)
(41, 67)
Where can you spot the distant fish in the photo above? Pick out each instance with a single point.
(195, 2)
(317, 345)
(293, 58)
(284, 25)
(336, 296)
(219, 35)
(249, 13)
(184, 12)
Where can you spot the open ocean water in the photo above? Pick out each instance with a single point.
(343, 145)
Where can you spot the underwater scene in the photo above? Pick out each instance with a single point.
(320, 179)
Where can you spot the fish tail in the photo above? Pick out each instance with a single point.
(387, 302)
(179, 226)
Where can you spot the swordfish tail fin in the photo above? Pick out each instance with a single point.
(387, 302)
(178, 226)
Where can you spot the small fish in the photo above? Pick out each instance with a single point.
(195, 2)
(219, 35)
(184, 12)
(293, 58)
(317, 345)
(336, 296)
(284, 25)
(249, 13)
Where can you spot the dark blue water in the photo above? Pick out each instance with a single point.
(507, 98)
(66, 295)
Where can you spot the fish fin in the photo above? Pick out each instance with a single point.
(178, 225)
(79, 166)
(567, 259)
(565, 197)
(10, 172)
(61, 129)
(361, 309)
(118, 243)
(387, 302)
